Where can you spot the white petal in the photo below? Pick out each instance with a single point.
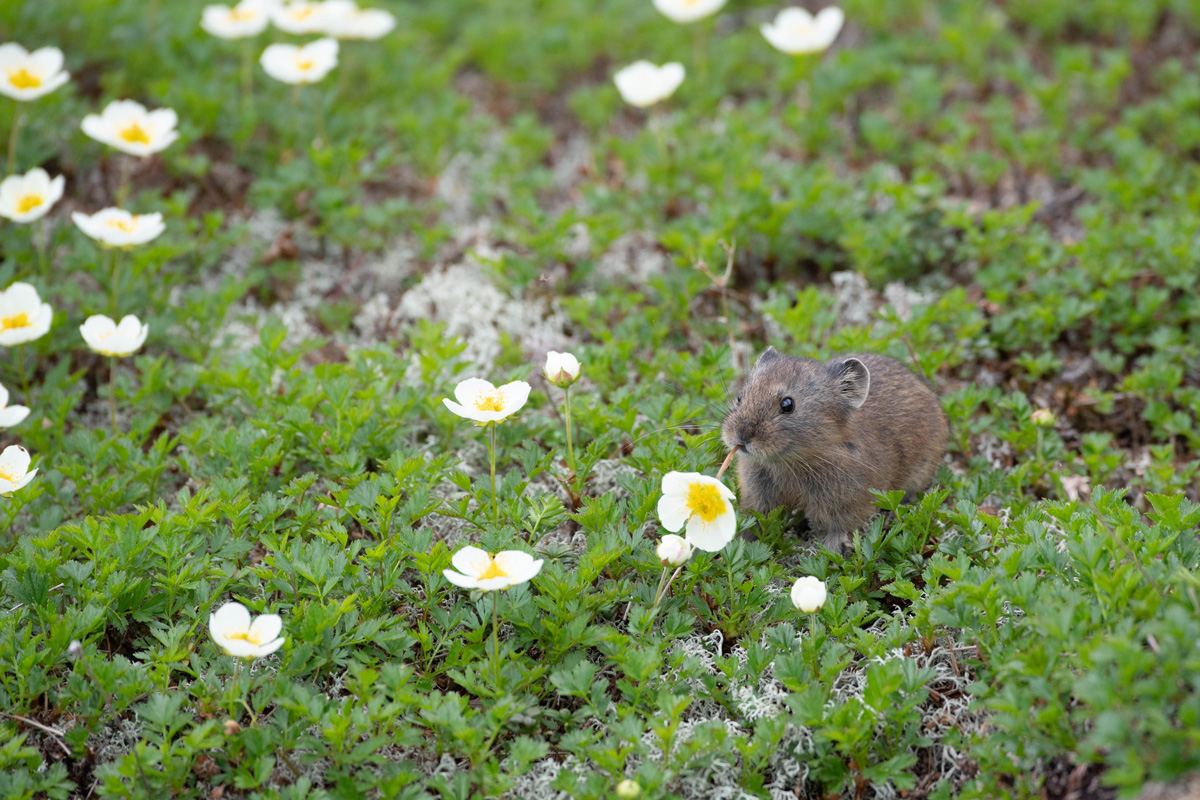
(471, 561)
(673, 511)
(266, 628)
(231, 618)
(466, 391)
(11, 416)
(460, 580)
(15, 459)
(714, 536)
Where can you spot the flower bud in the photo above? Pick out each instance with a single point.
(232, 728)
(562, 369)
(673, 551)
(627, 789)
(75, 650)
(1043, 418)
(808, 594)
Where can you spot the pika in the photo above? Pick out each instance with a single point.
(818, 436)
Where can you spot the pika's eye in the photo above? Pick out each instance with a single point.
(786, 405)
(739, 397)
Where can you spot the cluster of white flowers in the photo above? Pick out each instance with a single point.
(795, 31)
(306, 63)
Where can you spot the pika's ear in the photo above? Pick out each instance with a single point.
(769, 355)
(853, 380)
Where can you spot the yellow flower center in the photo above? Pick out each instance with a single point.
(28, 203)
(304, 64)
(135, 134)
(493, 570)
(704, 501)
(303, 12)
(124, 225)
(237, 15)
(489, 402)
(18, 320)
(8, 473)
(245, 636)
(23, 79)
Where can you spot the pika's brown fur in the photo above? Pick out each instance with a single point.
(858, 422)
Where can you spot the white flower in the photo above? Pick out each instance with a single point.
(628, 789)
(688, 10)
(302, 17)
(247, 18)
(479, 400)
(28, 76)
(702, 504)
(14, 469)
(10, 415)
(795, 31)
(235, 633)
(23, 315)
(643, 84)
(562, 369)
(116, 227)
(305, 64)
(129, 127)
(808, 594)
(673, 551)
(111, 339)
(346, 20)
(477, 569)
(24, 198)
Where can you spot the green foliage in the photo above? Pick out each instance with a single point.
(1017, 185)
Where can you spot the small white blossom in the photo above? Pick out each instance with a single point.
(562, 369)
(702, 505)
(302, 17)
(643, 84)
(796, 31)
(108, 338)
(247, 18)
(28, 76)
(25, 198)
(478, 569)
(235, 633)
(673, 551)
(688, 10)
(14, 469)
(304, 64)
(10, 415)
(23, 315)
(116, 227)
(347, 21)
(129, 127)
(808, 594)
(482, 402)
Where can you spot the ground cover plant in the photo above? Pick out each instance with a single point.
(274, 537)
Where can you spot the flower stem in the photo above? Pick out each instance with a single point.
(662, 590)
(24, 376)
(112, 391)
(700, 48)
(247, 74)
(492, 455)
(570, 446)
(234, 685)
(662, 581)
(12, 140)
(317, 112)
(39, 244)
(116, 276)
(496, 638)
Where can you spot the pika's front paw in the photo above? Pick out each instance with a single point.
(840, 542)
